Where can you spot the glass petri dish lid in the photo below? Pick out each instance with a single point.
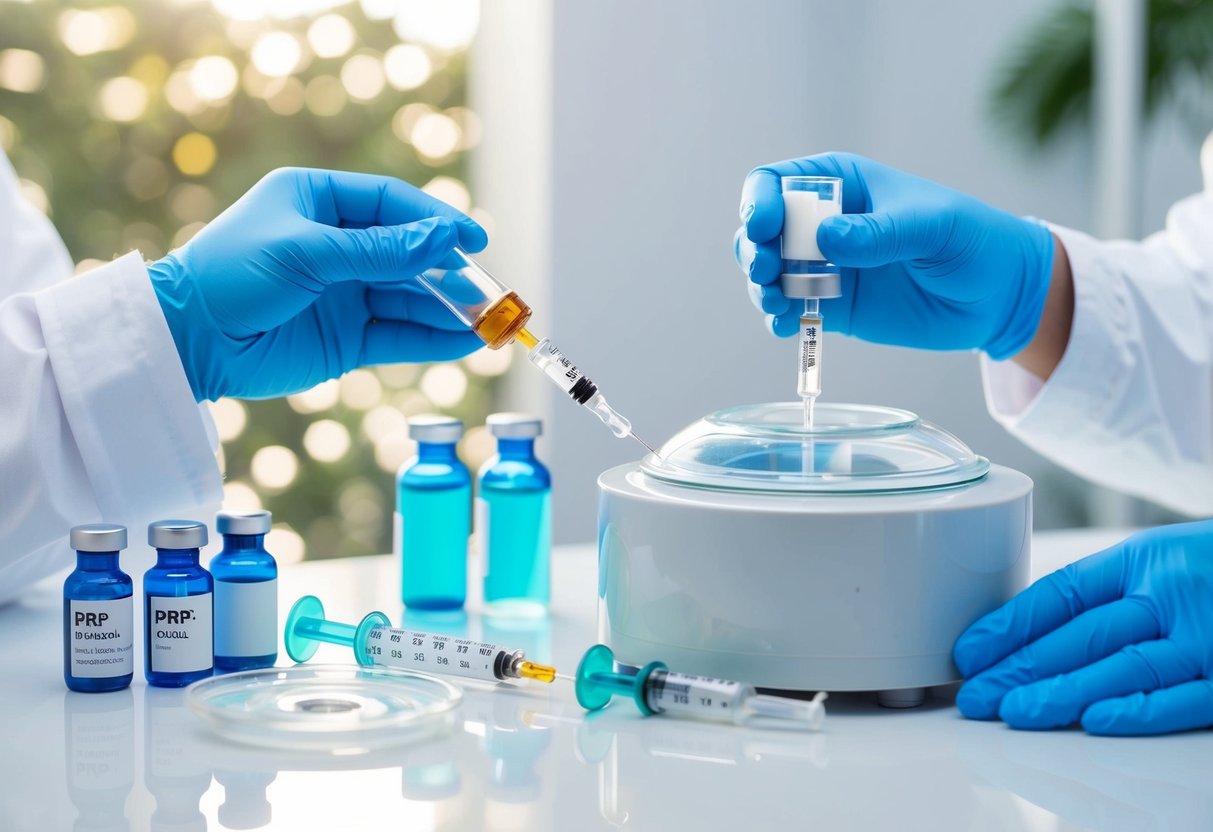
(850, 449)
(335, 708)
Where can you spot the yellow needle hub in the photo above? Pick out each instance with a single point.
(538, 672)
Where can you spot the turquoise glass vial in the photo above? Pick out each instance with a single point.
(178, 594)
(433, 517)
(513, 519)
(246, 593)
(98, 612)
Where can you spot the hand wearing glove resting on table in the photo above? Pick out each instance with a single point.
(1121, 641)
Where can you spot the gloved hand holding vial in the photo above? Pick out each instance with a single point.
(807, 274)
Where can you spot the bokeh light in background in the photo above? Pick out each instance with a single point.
(133, 124)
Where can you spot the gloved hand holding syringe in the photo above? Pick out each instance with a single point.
(499, 316)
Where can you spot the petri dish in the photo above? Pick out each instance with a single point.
(850, 449)
(335, 708)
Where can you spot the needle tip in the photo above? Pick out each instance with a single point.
(646, 445)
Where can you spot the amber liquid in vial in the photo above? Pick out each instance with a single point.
(498, 324)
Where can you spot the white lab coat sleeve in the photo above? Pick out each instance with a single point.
(1130, 406)
(97, 421)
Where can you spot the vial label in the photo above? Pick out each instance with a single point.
(180, 638)
(803, 212)
(103, 638)
(246, 618)
(482, 535)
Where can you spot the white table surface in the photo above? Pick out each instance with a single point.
(526, 758)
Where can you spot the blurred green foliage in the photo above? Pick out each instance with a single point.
(102, 154)
(1045, 84)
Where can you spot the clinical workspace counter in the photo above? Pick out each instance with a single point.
(527, 758)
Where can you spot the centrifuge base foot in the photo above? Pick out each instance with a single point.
(903, 698)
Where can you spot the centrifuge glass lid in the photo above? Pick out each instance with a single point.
(851, 448)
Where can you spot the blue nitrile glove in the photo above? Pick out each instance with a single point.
(1121, 640)
(307, 276)
(923, 265)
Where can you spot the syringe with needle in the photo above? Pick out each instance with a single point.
(499, 316)
(811, 288)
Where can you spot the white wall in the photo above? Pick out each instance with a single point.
(656, 111)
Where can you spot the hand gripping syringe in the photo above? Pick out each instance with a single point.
(655, 689)
(498, 315)
(376, 642)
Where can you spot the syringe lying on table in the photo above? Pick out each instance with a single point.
(499, 316)
(655, 689)
(376, 642)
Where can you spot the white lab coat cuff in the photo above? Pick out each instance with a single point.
(1076, 396)
(146, 444)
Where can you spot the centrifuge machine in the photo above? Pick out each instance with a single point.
(845, 557)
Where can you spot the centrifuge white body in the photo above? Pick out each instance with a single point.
(806, 592)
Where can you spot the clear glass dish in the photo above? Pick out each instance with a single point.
(325, 707)
(850, 449)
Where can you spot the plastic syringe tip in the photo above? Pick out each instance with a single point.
(809, 715)
(610, 417)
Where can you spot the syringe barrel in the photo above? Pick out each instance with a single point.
(437, 653)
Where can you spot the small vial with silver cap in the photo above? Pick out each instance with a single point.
(178, 606)
(807, 275)
(513, 519)
(98, 612)
(246, 593)
(433, 517)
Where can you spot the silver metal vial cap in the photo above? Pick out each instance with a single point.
(98, 537)
(243, 522)
(176, 534)
(514, 425)
(432, 428)
(822, 285)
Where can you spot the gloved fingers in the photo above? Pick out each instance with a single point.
(1061, 700)
(392, 304)
(761, 262)
(1183, 707)
(1039, 609)
(360, 200)
(769, 299)
(1089, 637)
(393, 342)
(381, 252)
(864, 241)
(783, 326)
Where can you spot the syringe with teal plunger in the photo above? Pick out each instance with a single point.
(376, 642)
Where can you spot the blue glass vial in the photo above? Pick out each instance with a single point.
(98, 612)
(433, 517)
(513, 519)
(246, 593)
(178, 596)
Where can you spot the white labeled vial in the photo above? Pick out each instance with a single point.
(807, 202)
(246, 593)
(178, 599)
(98, 612)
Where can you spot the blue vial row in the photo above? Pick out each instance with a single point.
(512, 510)
(195, 622)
